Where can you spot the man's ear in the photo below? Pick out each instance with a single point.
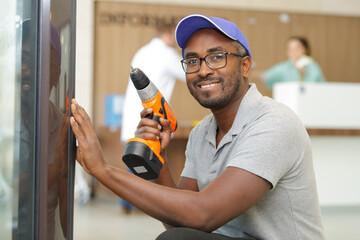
(246, 66)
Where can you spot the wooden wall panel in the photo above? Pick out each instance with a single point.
(118, 34)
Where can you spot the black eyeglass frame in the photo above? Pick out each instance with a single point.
(204, 59)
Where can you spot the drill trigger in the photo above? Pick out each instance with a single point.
(163, 107)
(149, 116)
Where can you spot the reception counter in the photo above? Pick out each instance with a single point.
(331, 115)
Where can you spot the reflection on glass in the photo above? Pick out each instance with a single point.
(58, 135)
(58, 121)
(20, 95)
(57, 143)
(24, 170)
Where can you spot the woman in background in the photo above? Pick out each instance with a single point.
(299, 66)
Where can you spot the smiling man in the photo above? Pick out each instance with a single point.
(248, 172)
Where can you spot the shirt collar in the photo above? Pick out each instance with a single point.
(247, 109)
(246, 112)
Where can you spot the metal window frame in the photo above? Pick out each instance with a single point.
(72, 140)
(42, 114)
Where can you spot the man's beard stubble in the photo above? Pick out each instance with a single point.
(224, 99)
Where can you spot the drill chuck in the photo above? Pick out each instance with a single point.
(139, 79)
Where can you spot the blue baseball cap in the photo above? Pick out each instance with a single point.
(190, 24)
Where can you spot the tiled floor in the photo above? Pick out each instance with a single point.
(102, 219)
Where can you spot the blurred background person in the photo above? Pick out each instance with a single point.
(300, 66)
(160, 61)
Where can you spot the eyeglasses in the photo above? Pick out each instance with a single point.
(214, 61)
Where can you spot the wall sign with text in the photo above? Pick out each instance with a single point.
(136, 19)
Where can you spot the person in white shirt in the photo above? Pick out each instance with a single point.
(160, 61)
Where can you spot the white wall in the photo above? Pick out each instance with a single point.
(337, 7)
(84, 54)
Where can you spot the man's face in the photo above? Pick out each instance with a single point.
(214, 88)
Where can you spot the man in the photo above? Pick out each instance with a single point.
(248, 171)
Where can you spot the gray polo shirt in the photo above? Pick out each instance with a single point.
(269, 140)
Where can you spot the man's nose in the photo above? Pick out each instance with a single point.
(205, 69)
(25, 69)
(25, 65)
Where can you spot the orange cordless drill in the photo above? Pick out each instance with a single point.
(142, 156)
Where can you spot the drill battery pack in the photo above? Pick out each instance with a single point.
(142, 160)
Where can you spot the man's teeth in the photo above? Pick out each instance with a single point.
(210, 85)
